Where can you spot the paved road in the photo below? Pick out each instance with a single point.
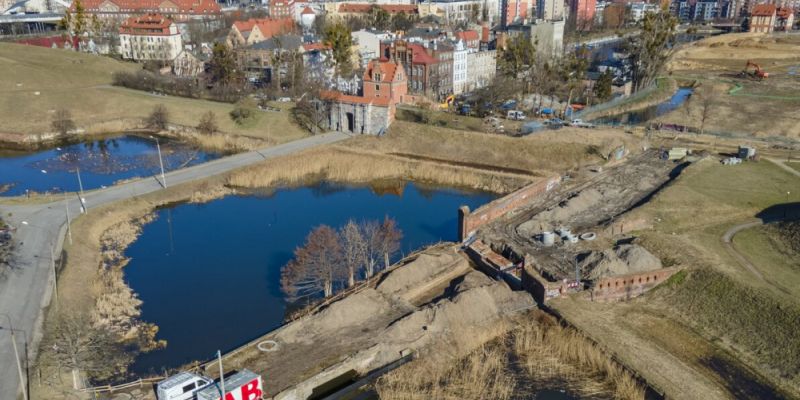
(27, 287)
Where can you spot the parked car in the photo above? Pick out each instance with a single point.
(516, 115)
(284, 99)
(555, 122)
(581, 124)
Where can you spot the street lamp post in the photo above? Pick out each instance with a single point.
(80, 186)
(160, 162)
(16, 355)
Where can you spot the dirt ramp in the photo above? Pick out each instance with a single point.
(429, 271)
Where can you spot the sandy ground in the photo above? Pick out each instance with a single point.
(759, 108)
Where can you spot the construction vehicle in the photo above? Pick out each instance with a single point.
(449, 101)
(756, 73)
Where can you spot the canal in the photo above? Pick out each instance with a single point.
(209, 274)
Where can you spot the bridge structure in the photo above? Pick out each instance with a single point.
(31, 18)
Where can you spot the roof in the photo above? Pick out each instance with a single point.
(763, 10)
(420, 56)
(268, 27)
(148, 25)
(315, 46)
(307, 11)
(346, 98)
(286, 42)
(180, 6)
(467, 36)
(785, 12)
(387, 69)
(365, 8)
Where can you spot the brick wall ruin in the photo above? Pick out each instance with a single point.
(469, 222)
(624, 287)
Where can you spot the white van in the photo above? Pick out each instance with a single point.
(516, 115)
(182, 386)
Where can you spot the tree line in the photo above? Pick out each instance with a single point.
(331, 259)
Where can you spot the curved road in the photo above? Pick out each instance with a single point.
(26, 289)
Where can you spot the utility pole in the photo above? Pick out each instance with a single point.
(161, 162)
(221, 374)
(69, 223)
(55, 276)
(80, 186)
(16, 355)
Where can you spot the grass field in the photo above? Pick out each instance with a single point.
(759, 108)
(716, 331)
(81, 83)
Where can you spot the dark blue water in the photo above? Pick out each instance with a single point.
(209, 274)
(101, 162)
(648, 113)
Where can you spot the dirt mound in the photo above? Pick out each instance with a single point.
(621, 260)
(352, 311)
(789, 235)
(424, 269)
(471, 308)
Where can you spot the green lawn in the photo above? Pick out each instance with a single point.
(761, 246)
(81, 83)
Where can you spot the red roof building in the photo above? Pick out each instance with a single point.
(150, 37)
(762, 18)
(177, 10)
(470, 38)
(385, 86)
(257, 30)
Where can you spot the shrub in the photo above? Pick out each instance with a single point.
(240, 114)
(208, 123)
(62, 121)
(158, 118)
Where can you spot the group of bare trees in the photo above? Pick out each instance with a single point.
(333, 259)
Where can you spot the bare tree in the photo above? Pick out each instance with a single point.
(316, 267)
(208, 123)
(706, 104)
(158, 118)
(62, 121)
(389, 236)
(354, 248)
(81, 347)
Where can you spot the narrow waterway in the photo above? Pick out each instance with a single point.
(209, 274)
(101, 161)
(648, 113)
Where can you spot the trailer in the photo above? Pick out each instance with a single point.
(243, 385)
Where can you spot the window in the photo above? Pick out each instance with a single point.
(377, 87)
(189, 387)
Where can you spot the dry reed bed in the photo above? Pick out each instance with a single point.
(537, 353)
(340, 164)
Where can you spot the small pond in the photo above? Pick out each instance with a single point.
(102, 161)
(647, 113)
(209, 274)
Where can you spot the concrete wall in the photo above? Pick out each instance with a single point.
(469, 222)
(368, 118)
(624, 287)
(541, 288)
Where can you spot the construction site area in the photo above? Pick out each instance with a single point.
(570, 237)
(748, 85)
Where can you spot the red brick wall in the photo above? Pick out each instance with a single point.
(469, 222)
(625, 287)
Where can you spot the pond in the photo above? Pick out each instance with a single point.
(101, 161)
(647, 113)
(209, 274)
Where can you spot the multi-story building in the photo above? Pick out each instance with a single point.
(550, 10)
(460, 10)
(640, 8)
(256, 30)
(470, 38)
(762, 18)
(546, 36)
(150, 37)
(428, 65)
(281, 8)
(513, 12)
(584, 12)
(346, 10)
(459, 67)
(598, 11)
(368, 45)
(176, 10)
(705, 10)
(481, 69)
(784, 18)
